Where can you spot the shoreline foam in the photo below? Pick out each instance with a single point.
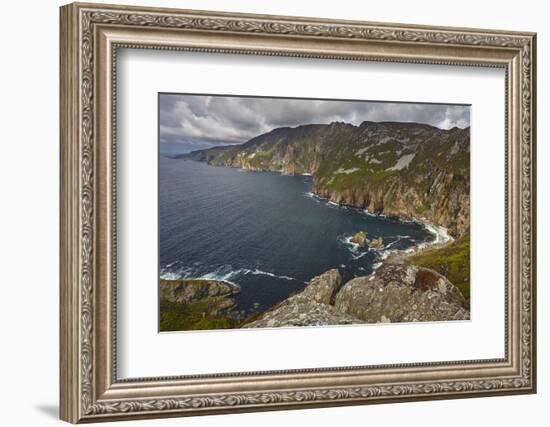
(440, 234)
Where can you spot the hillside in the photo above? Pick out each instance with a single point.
(404, 169)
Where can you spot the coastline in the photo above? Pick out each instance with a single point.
(395, 256)
(398, 256)
(441, 240)
(206, 301)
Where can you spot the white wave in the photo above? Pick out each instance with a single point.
(225, 273)
(170, 276)
(313, 196)
(376, 266)
(360, 255)
(218, 274)
(440, 234)
(170, 272)
(346, 240)
(257, 272)
(389, 245)
(372, 214)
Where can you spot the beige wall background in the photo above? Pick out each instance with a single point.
(29, 170)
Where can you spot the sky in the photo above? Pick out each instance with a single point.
(203, 119)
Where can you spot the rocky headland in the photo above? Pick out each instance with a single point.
(196, 304)
(393, 293)
(408, 170)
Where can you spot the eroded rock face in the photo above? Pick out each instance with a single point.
(323, 288)
(402, 293)
(184, 291)
(403, 169)
(311, 307)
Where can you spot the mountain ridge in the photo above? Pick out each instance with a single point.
(406, 169)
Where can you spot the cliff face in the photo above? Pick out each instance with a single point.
(404, 169)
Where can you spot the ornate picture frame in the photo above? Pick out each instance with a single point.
(90, 37)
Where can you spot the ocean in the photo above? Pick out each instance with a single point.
(264, 231)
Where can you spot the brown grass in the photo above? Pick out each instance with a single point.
(426, 280)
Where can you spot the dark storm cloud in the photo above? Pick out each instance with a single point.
(226, 119)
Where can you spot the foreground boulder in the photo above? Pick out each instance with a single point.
(402, 293)
(311, 307)
(323, 288)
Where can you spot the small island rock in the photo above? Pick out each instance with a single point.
(376, 243)
(360, 238)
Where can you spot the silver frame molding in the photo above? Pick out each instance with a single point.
(90, 37)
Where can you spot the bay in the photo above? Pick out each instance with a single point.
(263, 231)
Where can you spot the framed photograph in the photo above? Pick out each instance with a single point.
(266, 212)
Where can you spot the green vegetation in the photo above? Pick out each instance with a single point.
(452, 261)
(268, 154)
(358, 179)
(195, 316)
(420, 210)
(192, 316)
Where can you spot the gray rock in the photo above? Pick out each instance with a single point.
(294, 312)
(184, 291)
(402, 293)
(311, 307)
(323, 288)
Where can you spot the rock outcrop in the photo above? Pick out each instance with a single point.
(376, 243)
(196, 304)
(360, 238)
(184, 291)
(402, 293)
(394, 293)
(403, 169)
(215, 295)
(311, 307)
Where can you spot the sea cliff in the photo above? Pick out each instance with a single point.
(408, 170)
